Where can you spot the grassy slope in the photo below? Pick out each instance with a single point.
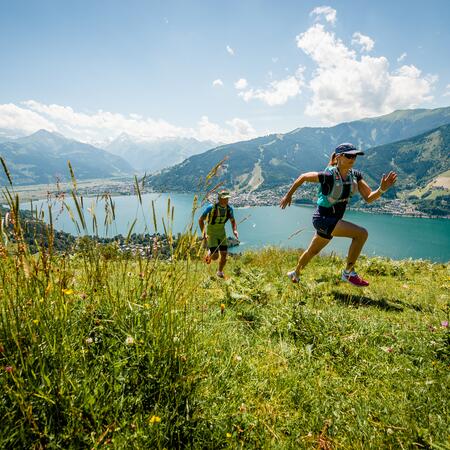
(140, 354)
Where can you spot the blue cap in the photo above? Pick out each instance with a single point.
(347, 148)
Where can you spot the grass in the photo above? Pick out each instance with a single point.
(103, 350)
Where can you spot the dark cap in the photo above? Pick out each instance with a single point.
(347, 148)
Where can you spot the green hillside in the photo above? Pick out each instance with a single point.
(102, 349)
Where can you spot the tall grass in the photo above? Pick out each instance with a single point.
(102, 349)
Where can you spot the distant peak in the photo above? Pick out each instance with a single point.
(43, 136)
(42, 132)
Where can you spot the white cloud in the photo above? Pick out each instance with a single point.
(240, 130)
(217, 82)
(327, 12)
(241, 84)
(278, 92)
(364, 41)
(447, 93)
(346, 86)
(104, 126)
(230, 50)
(22, 120)
(402, 57)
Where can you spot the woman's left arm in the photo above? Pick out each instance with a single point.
(370, 196)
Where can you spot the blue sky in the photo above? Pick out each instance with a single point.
(216, 70)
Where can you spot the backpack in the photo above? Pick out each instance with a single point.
(214, 217)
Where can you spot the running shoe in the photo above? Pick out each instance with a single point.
(220, 274)
(293, 276)
(353, 278)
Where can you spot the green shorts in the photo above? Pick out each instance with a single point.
(217, 243)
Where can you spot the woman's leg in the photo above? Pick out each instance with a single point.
(357, 234)
(316, 245)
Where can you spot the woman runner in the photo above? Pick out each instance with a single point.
(338, 182)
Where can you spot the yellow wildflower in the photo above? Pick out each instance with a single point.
(67, 291)
(154, 419)
(35, 321)
(229, 435)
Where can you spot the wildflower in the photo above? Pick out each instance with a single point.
(222, 308)
(444, 324)
(154, 419)
(35, 321)
(89, 341)
(238, 358)
(229, 435)
(8, 369)
(67, 291)
(129, 340)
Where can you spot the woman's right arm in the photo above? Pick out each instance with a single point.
(310, 177)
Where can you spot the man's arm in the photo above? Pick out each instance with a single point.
(201, 224)
(234, 226)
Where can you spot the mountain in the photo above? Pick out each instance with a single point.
(277, 159)
(416, 160)
(423, 167)
(152, 156)
(42, 158)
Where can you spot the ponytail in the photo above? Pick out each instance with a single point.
(333, 160)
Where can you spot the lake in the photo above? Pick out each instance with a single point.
(391, 236)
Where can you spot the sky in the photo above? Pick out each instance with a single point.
(216, 70)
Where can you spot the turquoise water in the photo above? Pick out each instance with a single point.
(391, 236)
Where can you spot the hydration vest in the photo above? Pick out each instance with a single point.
(217, 216)
(334, 196)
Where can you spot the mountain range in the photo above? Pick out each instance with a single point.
(42, 158)
(153, 155)
(415, 143)
(277, 159)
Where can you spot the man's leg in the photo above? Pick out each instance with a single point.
(222, 260)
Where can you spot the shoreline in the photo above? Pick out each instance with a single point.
(115, 188)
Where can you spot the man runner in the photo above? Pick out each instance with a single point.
(214, 232)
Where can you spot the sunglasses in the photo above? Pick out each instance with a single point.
(350, 156)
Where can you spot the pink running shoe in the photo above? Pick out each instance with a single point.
(353, 278)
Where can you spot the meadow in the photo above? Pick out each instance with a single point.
(100, 349)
